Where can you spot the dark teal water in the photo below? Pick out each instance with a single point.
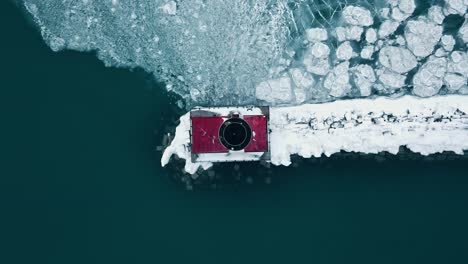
(80, 182)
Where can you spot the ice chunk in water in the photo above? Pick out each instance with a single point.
(364, 78)
(337, 81)
(345, 51)
(303, 81)
(455, 7)
(429, 79)
(397, 59)
(316, 34)
(358, 16)
(454, 81)
(463, 32)
(422, 36)
(387, 28)
(275, 91)
(448, 42)
(316, 59)
(436, 15)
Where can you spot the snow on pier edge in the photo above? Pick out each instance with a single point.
(425, 126)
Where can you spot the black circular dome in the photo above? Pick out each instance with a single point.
(235, 134)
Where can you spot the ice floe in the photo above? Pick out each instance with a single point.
(364, 78)
(316, 59)
(463, 32)
(316, 34)
(391, 80)
(436, 14)
(429, 78)
(345, 51)
(402, 9)
(337, 81)
(422, 36)
(169, 8)
(358, 16)
(397, 59)
(387, 28)
(303, 81)
(448, 42)
(275, 91)
(367, 52)
(371, 35)
(455, 7)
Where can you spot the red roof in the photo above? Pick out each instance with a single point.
(205, 134)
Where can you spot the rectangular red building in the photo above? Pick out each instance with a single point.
(222, 134)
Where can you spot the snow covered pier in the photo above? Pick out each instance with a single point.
(425, 126)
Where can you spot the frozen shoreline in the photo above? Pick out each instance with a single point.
(423, 125)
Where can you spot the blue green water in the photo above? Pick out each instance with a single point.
(80, 182)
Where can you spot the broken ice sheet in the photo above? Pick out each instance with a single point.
(252, 52)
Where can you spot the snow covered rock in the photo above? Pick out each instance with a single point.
(275, 91)
(337, 81)
(316, 59)
(364, 78)
(422, 36)
(345, 51)
(397, 59)
(316, 34)
(357, 16)
(429, 78)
